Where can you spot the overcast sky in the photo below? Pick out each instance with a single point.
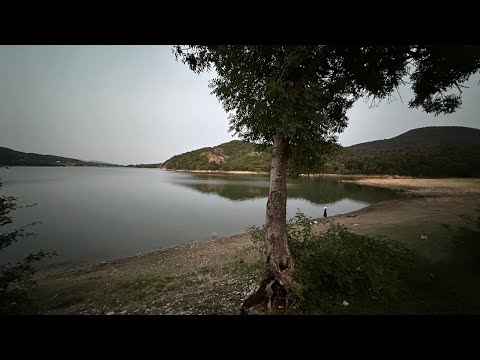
(136, 104)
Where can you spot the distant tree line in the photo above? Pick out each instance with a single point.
(413, 160)
(434, 161)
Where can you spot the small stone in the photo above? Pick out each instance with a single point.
(123, 312)
(345, 303)
(111, 313)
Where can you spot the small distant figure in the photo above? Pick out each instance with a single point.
(325, 212)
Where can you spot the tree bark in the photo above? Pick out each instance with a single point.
(273, 290)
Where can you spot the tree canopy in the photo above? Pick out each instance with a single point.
(295, 98)
(302, 93)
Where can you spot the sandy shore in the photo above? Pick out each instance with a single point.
(197, 278)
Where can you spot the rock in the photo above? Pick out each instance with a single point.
(111, 313)
(123, 312)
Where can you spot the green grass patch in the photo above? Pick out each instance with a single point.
(341, 272)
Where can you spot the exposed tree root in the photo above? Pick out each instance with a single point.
(272, 295)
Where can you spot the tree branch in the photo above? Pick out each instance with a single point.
(458, 87)
(398, 92)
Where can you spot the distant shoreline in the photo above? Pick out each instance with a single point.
(219, 171)
(343, 176)
(240, 172)
(58, 165)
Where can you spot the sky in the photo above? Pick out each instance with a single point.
(137, 104)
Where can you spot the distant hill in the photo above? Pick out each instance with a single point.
(441, 151)
(231, 156)
(432, 136)
(9, 157)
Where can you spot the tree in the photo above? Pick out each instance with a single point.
(295, 98)
(15, 280)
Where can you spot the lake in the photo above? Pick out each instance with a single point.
(89, 214)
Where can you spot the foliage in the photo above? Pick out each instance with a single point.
(424, 152)
(434, 161)
(466, 246)
(428, 152)
(297, 97)
(302, 93)
(339, 265)
(234, 155)
(16, 280)
(147, 166)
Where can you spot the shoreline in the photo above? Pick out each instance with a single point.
(200, 277)
(219, 171)
(385, 181)
(347, 176)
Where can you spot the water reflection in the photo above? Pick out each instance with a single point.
(316, 190)
(91, 215)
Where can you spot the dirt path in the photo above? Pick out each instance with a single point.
(201, 278)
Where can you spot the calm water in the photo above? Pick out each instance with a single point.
(91, 215)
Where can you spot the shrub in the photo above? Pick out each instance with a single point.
(338, 265)
(16, 280)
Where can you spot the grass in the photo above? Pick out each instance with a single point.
(206, 290)
(372, 274)
(342, 272)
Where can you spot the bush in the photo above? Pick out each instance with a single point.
(338, 265)
(16, 280)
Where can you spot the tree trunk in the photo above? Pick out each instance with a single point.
(273, 290)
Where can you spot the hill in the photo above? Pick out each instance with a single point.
(441, 151)
(231, 156)
(432, 136)
(9, 157)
